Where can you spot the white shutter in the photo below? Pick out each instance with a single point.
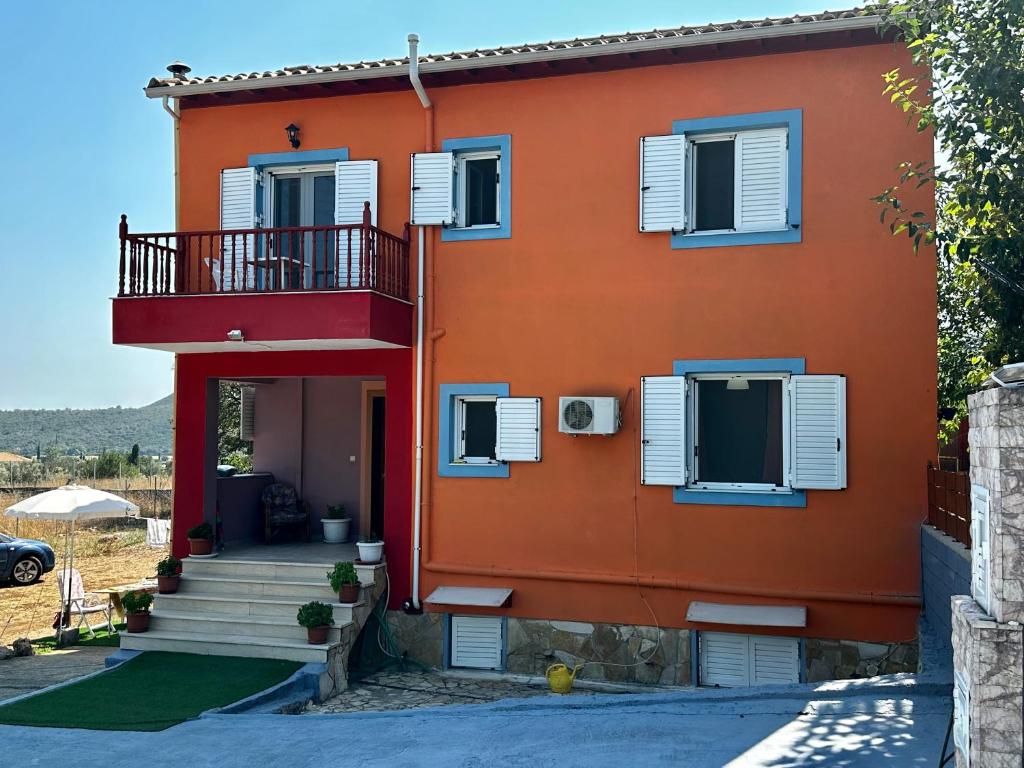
(476, 642)
(518, 429)
(980, 551)
(355, 183)
(237, 211)
(724, 659)
(761, 174)
(662, 175)
(247, 411)
(431, 199)
(663, 430)
(774, 660)
(817, 413)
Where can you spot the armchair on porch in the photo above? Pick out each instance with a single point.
(282, 508)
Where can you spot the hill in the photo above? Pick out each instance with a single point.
(89, 431)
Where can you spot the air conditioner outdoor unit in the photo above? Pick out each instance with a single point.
(578, 415)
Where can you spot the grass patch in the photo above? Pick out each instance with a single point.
(102, 638)
(151, 692)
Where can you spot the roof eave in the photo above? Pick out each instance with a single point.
(806, 28)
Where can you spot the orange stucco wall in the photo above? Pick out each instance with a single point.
(577, 301)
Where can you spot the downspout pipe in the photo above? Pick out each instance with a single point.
(171, 110)
(414, 72)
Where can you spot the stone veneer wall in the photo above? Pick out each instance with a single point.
(846, 659)
(990, 657)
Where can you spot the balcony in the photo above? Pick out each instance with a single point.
(319, 287)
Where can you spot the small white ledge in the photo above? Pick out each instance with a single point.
(752, 615)
(480, 597)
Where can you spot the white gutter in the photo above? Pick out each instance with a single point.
(414, 72)
(171, 110)
(595, 50)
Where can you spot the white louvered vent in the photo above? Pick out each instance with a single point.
(662, 200)
(980, 555)
(237, 211)
(355, 183)
(518, 429)
(817, 410)
(962, 717)
(761, 179)
(476, 642)
(431, 198)
(247, 411)
(663, 430)
(733, 660)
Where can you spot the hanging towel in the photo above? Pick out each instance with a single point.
(157, 532)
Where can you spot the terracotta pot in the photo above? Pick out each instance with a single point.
(138, 622)
(349, 593)
(167, 585)
(317, 635)
(200, 546)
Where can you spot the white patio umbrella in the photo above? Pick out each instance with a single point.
(69, 504)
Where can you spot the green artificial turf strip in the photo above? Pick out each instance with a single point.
(101, 638)
(151, 692)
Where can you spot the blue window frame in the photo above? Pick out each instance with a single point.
(792, 121)
(502, 144)
(305, 157)
(448, 437)
(789, 498)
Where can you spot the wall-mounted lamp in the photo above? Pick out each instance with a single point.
(293, 135)
(236, 335)
(737, 383)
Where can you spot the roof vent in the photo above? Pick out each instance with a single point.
(178, 69)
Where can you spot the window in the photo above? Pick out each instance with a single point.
(740, 432)
(476, 428)
(713, 172)
(478, 180)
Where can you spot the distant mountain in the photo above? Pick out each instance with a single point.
(89, 431)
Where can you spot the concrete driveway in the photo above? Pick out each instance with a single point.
(886, 722)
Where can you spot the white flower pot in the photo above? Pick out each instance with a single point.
(371, 551)
(335, 531)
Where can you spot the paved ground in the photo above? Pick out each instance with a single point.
(24, 674)
(884, 722)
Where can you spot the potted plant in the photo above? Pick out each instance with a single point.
(336, 524)
(136, 606)
(371, 548)
(200, 539)
(168, 575)
(345, 581)
(317, 618)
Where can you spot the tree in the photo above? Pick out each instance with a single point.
(133, 457)
(967, 92)
(229, 421)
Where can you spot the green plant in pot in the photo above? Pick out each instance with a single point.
(200, 539)
(168, 575)
(317, 618)
(371, 548)
(345, 581)
(336, 524)
(136, 606)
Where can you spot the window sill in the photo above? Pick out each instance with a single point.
(735, 498)
(454, 234)
(713, 240)
(454, 469)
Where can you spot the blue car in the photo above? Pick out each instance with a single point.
(24, 561)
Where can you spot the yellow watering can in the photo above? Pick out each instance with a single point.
(560, 678)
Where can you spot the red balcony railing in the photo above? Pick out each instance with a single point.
(342, 257)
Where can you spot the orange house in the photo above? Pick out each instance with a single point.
(602, 336)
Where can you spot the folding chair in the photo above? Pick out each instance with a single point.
(77, 606)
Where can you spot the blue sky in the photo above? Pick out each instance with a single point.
(82, 143)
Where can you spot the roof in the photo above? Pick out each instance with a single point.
(11, 458)
(796, 28)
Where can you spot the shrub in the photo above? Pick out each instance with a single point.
(343, 573)
(239, 460)
(335, 512)
(137, 602)
(169, 566)
(203, 531)
(315, 614)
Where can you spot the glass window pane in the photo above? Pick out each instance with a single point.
(480, 426)
(714, 164)
(288, 213)
(323, 242)
(481, 192)
(739, 432)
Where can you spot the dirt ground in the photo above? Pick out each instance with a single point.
(107, 553)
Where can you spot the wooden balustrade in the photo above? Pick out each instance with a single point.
(338, 257)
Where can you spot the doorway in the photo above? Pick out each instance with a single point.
(374, 418)
(303, 198)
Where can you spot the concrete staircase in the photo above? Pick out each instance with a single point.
(228, 607)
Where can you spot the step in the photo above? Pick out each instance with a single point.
(226, 645)
(225, 605)
(192, 584)
(203, 624)
(245, 569)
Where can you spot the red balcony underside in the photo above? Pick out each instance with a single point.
(269, 321)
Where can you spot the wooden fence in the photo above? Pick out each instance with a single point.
(949, 503)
